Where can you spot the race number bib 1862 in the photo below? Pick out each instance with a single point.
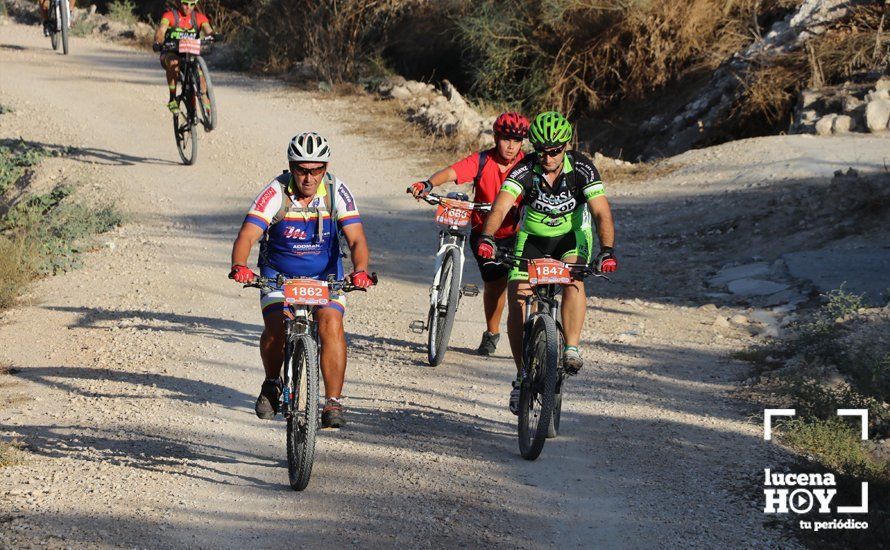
(546, 271)
(306, 292)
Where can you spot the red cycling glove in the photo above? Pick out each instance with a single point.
(605, 261)
(242, 274)
(485, 248)
(420, 189)
(361, 279)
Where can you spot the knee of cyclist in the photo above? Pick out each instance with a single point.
(330, 327)
(270, 337)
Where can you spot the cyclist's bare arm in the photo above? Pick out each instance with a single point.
(206, 29)
(441, 177)
(358, 245)
(247, 237)
(161, 33)
(499, 209)
(602, 215)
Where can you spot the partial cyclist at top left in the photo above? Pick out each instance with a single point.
(56, 16)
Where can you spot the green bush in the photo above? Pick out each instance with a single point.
(122, 11)
(836, 444)
(62, 228)
(15, 159)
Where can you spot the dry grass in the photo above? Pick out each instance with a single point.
(636, 172)
(771, 86)
(18, 267)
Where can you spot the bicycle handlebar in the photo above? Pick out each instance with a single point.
(271, 283)
(435, 199)
(172, 45)
(578, 271)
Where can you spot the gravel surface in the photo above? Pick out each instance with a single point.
(138, 372)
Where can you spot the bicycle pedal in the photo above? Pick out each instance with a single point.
(470, 290)
(417, 327)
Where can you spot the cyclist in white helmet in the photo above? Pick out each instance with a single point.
(292, 216)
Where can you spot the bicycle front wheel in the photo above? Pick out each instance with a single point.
(302, 424)
(553, 429)
(441, 317)
(206, 98)
(536, 394)
(63, 13)
(186, 138)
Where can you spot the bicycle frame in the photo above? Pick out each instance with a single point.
(448, 239)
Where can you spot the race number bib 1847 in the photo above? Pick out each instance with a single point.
(306, 292)
(546, 271)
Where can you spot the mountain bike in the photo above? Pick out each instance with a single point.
(196, 100)
(299, 402)
(453, 214)
(59, 23)
(542, 372)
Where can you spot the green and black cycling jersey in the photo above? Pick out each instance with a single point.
(550, 211)
(555, 220)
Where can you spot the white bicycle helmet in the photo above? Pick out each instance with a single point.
(308, 147)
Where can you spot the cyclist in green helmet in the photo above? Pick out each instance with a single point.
(561, 193)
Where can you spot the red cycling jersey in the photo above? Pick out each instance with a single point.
(488, 188)
(185, 21)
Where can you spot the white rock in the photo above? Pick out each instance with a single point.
(877, 115)
(825, 124)
(400, 92)
(843, 125)
(877, 94)
(739, 319)
(883, 83)
(728, 274)
(755, 287)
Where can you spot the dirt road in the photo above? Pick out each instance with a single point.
(137, 373)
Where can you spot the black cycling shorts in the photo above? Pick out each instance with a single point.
(489, 269)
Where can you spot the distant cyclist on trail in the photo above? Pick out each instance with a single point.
(44, 13)
(183, 22)
(292, 216)
(559, 191)
(487, 170)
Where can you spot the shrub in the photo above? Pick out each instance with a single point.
(122, 11)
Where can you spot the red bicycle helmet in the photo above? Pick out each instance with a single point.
(511, 125)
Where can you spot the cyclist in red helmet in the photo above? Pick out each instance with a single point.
(487, 170)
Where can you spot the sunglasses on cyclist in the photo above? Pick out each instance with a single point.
(317, 171)
(550, 152)
(190, 3)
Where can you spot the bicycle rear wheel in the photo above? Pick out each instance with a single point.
(63, 13)
(186, 138)
(536, 394)
(209, 114)
(302, 424)
(54, 25)
(441, 316)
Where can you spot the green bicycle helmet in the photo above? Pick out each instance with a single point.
(550, 129)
